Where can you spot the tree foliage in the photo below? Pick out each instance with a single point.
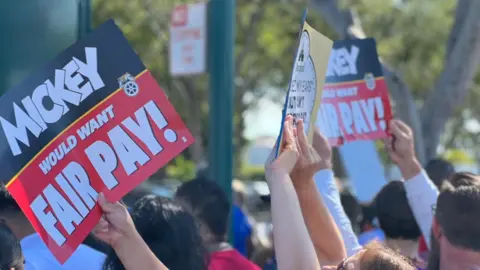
(431, 51)
(266, 32)
(414, 38)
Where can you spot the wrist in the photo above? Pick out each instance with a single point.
(302, 179)
(128, 239)
(410, 168)
(326, 165)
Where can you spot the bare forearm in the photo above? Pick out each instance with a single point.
(410, 168)
(293, 247)
(134, 253)
(323, 231)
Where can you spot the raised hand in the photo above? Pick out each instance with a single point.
(322, 146)
(115, 224)
(400, 146)
(401, 149)
(288, 156)
(310, 160)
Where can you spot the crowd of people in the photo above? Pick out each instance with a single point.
(428, 220)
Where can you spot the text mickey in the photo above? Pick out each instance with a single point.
(342, 62)
(71, 85)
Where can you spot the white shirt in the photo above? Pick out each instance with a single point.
(422, 196)
(38, 256)
(331, 197)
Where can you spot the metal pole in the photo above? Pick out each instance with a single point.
(84, 18)
(221, 58)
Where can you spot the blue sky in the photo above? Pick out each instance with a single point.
(263, 120)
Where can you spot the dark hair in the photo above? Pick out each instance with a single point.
(10, 251)
(7, 204)
(95, 243)
(169, 231)
(439, 170)
(352, 208)
(457, 210)
(369, 214)
(379, 257)
(208, 203)
(394, 213)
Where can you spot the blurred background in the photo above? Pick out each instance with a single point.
(430, 51)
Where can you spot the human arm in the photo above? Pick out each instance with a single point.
(293, 247)
(321, 226)
(421, 191)
(325, 183)
(116, 229)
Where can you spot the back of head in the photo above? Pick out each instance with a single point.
(10, 250)
(439, 170)
(457, 211)
(169, 231)
(8, 206)
(209, 205)
(394, 213)
(379, 257)
(352, 208)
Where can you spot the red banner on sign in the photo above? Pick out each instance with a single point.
(357, 110)
(92, 120)
(112, 148)
(355, 101)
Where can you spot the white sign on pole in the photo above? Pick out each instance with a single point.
(188, 34)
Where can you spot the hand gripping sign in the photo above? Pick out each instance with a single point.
(307, 79)
(92, 120)
(355, 101)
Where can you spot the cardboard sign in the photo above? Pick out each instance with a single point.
(92, 120)
(188, 39)
(355, 101)
(307, 79)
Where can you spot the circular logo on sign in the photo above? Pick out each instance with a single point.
(129, 85)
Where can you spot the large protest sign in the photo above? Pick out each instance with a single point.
(355, 100)
(92, 120)
(307, 79)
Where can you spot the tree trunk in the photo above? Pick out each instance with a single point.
(451, 88)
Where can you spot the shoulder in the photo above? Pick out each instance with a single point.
(87, 255)
(231, 259)
(38, 256)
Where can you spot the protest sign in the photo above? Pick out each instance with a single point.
(92, 120)
(355, 101)
(307, 79)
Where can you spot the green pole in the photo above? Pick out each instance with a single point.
(221, 59)
(84, 18)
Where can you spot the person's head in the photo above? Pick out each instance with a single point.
(374, 256)
(11, 257)
(439, 170)
(394, 213)
(12, 215)
(369, 219)
(352, 208)
(169, 231)
(456, 226)
(209, 205)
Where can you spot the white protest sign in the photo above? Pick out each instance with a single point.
(188, 36)
(303, 88)
(308, 77)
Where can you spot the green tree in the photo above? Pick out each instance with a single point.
(265, 42)
(430, 52)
